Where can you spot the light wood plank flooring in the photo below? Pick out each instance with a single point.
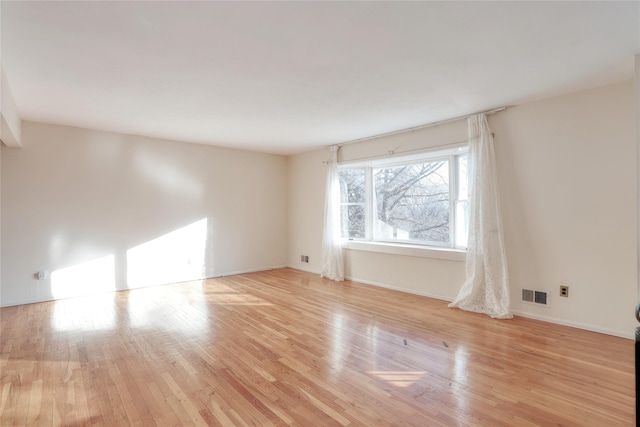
(285, 347)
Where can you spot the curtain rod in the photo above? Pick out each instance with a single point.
(427, 125)
(393, 153)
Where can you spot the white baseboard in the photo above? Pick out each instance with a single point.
(578, 325)
(305, 269)
(23, 302)
(397, 288)
(119, 289)
(252, 270)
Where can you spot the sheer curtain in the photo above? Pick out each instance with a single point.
(332, 261)
(486, 289)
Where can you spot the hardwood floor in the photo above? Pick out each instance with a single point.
(286, 347)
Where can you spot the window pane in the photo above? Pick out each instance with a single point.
(353, 198)
(463, 178)
(462, 224)
(352, 221)
(352, 186)
(412, 202)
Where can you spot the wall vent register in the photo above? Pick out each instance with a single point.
(535, 297)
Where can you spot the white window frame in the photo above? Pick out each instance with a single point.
(450, 154)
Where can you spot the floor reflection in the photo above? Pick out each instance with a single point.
(339, 347)
(385, 354)
(149, 309)
(460, 379)
(401, 379)
(90, 313)
(226, 295)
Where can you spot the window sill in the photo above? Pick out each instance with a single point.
(408, 250)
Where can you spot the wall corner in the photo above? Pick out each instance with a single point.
(11, 124)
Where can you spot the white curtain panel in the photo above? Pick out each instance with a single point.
(486, 289)
(332, 260)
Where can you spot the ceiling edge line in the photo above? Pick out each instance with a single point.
(426, 125)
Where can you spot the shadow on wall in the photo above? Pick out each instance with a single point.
(178, 256)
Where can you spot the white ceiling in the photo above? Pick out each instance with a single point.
(287, 77)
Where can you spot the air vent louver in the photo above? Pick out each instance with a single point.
(541, 298)
(535, 297)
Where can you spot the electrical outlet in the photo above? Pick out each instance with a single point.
(306, 258)
(564, 291)
(301, 258)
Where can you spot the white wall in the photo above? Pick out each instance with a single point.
(306, 182)
(72, 196)
(0, 219)
(567, 173)
(637, 115)
(567, 170)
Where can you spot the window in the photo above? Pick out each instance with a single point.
(419, 199)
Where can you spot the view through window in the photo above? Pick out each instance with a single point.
(418, 199)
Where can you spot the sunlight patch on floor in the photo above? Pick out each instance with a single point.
(398, 378)
(89, 313)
